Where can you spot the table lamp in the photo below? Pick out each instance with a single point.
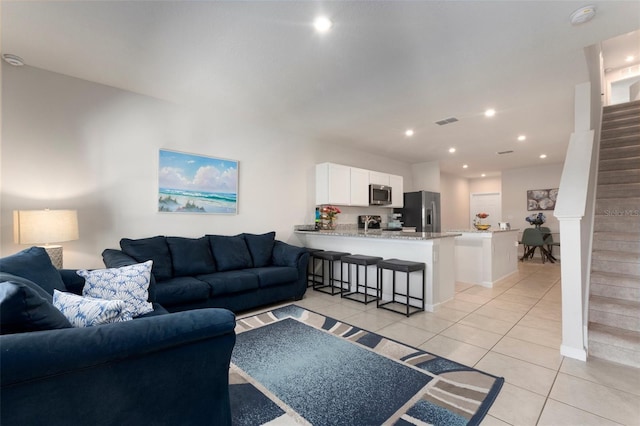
(43, 227)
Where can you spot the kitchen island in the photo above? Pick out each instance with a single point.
(436, 250)
(484, 257)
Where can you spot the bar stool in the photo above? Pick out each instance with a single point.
(360, 260)
(329, 258)
(311, 268)
(406, 266)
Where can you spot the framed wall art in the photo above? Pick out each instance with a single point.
(190, 183)
(541, 199)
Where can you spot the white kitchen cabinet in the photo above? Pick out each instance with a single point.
(359, 187)
(397, 191)
(377, 178)
(333, 184)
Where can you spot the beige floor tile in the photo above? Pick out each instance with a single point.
(339, 311)
(530, 352)
(449, 314)
(487, 323)
(534, 321)
(604, 373)
(501, 314)
(546, 312)
(428, 321)
(473, 298)
(485, 291)
(371, 320)
(492, 421)
(508, 296)
(461, 305)
(556, 413)
(603, 401)
(313, 303)
(508, 306)
(548, 338)
(517, 406)
(454, 350)
(462, 286)
(519, 373)
(473, 336)
(405, 333)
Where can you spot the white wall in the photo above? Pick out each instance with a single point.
(454, 201)
(486, 184)
(425, 177)
(69, 143)
(515, 184)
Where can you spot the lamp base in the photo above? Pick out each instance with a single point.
(55, 254)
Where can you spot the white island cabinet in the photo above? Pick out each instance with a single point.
(435, 250)
(484, 257)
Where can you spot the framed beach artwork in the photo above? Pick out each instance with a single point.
(189, 183)
(542, 199)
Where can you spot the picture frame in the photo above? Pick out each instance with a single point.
(542, 199)
(199, 184)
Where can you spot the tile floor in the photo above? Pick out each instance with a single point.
(512, 330)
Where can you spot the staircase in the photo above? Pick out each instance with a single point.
(614, 306)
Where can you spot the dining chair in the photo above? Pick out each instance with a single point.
(531, 239)
(547, 236)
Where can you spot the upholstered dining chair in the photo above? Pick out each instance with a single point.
(531, 239)
(548, 240)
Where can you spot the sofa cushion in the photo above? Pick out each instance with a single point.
(260, 247)
(230, 252)
(154, 248)
(275, 275)
(230, 282)
(35, 265)
(33, 286)
(89, 312)
(128, 283)
(191, 256)
(23, 309)
(180, 290)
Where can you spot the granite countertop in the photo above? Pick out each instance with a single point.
(376, 233)
(477, 231)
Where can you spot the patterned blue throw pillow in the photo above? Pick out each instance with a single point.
(89, 312)
(128, 283)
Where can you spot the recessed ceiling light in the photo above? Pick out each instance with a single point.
(522, 138)
(630, 58)
(483, 175)
(490, 112)
(465, 166)
(322, 24)
(409, 132)
(452, 150)
(543, 155)
(14, 60)
(582, 15)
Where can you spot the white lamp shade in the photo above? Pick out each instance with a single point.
(45, 226)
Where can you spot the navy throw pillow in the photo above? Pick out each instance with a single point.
(191, 256)
(154, 248)
(35, 265)
(260, 247)
(23, 310)
(230, 252)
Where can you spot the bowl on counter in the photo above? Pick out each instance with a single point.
(408, 229)
(481, 227)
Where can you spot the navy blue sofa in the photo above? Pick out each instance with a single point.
(237, 272)
(158, 369)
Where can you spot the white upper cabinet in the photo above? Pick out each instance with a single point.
(397, 191)
(333, 184)
(377, 178)
(359, 187)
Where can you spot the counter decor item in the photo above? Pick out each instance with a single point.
(329, 217)
(536, 219)
(478, 222)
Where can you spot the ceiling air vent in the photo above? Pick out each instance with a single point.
(504, 152)
(446, 121)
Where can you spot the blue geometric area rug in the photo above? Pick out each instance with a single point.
(294, 366)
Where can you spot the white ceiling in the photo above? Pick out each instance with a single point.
(384, 67)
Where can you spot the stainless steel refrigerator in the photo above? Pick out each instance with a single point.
(422, 210)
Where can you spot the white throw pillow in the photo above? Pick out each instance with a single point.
(88, 312)
(129, 283)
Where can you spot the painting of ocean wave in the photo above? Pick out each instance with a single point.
(191, 183)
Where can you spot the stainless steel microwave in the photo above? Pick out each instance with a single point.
(379, 195)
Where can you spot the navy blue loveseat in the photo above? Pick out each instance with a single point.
(158, 369)
(238, 272)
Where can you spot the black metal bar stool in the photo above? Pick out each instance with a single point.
(312, 277)
(329, 258)
(359, 260)
(406, 266)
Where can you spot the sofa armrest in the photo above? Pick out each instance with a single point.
(166, 369)
(287, 255)
(113, 258)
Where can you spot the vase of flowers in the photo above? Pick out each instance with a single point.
(536, 219)
(479, 222)
(329, 217)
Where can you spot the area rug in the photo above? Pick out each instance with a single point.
(295, 366)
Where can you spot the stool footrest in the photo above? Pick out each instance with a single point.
(401, 308)
(358, 296)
